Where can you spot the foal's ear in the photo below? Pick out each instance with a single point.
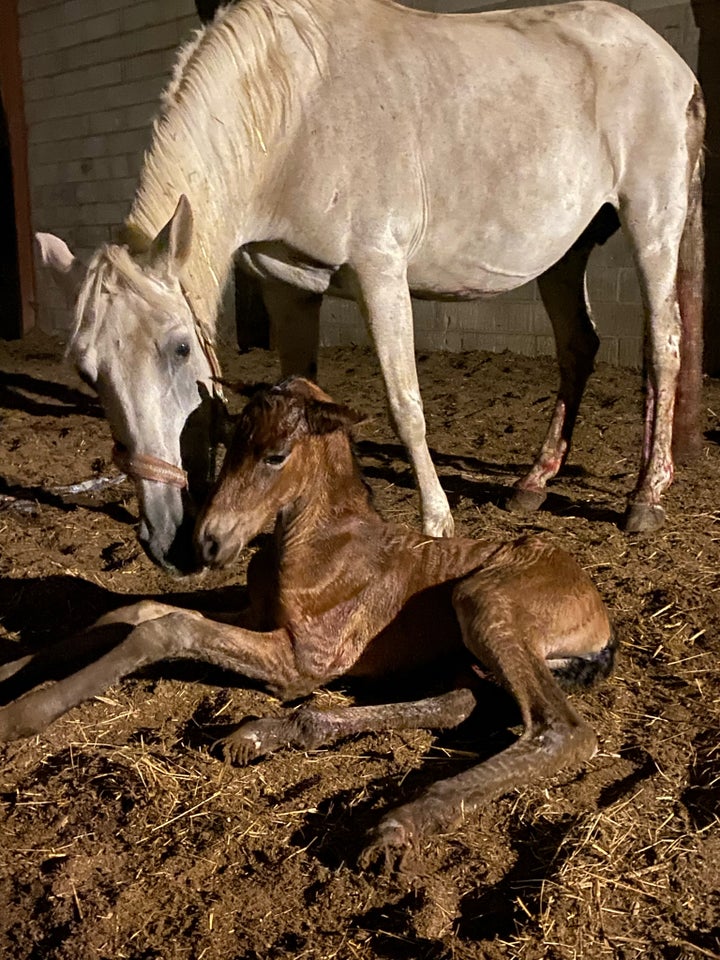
(171, 247)
(241, 387)
(65, 267)
(326, 417)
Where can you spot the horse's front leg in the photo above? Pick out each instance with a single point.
(180, 634)
(384, 300)
(295, 318)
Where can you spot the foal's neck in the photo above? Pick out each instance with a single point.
(331, 528)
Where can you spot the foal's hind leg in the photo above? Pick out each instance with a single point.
(563, 292)
(509, 622)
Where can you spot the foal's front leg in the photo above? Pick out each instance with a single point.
(178, 634)
(309, 728)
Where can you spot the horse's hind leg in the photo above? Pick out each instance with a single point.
(656, 251)
(295, 320)
(563, 293)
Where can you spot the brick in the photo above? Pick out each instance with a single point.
(602, 284)
(614, 253)
(425, 314)
(618, 320)
(150, 64)
(630, 352)
(628, 286)
(110, 213)
(608, 352)
(136, 16)
(107, 121)
(95, 28)
(74, 10)
(103, 191)
(545, 346)
(63, 128)
(28, 6)
(51, 18)
(43, 65)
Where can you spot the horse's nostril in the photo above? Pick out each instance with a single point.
(210, 548)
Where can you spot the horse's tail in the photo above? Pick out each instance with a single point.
(687, 436)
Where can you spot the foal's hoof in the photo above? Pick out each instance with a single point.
(240, 747)
(644, 518)
(525, 501)
(391, 841)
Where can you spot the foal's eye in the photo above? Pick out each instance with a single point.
(182, 350)
(275, 459)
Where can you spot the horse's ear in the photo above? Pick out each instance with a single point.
(323, 417)
(171, 247)
(65, 267)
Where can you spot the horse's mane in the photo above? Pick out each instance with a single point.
(231, 93)
(232, 90)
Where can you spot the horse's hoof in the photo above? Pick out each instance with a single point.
(443, 526)
(525, 501)
(644, 518)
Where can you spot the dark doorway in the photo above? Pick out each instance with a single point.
(10, 299)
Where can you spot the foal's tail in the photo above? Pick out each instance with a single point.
(687, 436)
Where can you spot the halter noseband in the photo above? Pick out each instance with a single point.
(143, 466)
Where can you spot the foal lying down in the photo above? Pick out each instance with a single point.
(343, 593)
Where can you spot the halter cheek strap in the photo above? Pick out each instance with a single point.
(141, 466)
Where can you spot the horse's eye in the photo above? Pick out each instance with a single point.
(275, 459)
(182, 350)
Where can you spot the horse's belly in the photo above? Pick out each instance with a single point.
(447, 282)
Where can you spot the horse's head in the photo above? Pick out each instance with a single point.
(137, 343)
(281, 455)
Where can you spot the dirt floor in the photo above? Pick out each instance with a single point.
(124, 836)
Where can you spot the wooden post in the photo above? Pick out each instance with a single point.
(11, 88)
(707, 18)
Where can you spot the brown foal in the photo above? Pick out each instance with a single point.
(341, 592)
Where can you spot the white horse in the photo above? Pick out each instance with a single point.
(363, 149)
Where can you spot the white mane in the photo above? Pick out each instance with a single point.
(111, 269)
(232, 91)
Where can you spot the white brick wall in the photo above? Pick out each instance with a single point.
(93, 71)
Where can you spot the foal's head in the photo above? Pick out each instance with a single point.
(137, 344)
(288, 440)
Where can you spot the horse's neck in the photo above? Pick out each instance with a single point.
(231, 101)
